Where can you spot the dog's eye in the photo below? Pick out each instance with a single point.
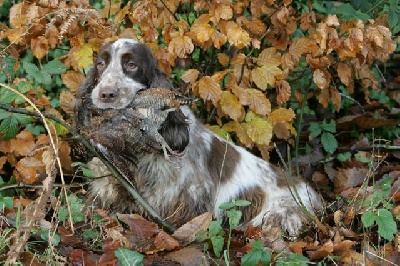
(131, 65)
(101, 64)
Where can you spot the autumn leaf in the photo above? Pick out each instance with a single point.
(67, 102)
(344, 73)
(231, 106)
(302, 46)
(269, 57)
(321, 78)
(181, 46)
(190, 75)
(283, 91)
(265, 75)
(201, 31)
(139, 226)
(236, 35)
(164, 241)
(72, 79)
(209, 89)
(281, 115)
(39, 47)
(258, 129)
(83, 55)
(186, 234)
(223, 59)
(224, 12)
(254, 98)
(29, 169)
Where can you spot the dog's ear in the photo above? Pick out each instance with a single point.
(160, 80)
(83, 100)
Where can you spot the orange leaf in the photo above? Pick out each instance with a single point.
(323, 98)
(29, 169)
(281, 115)
(72, 79)
(325, 250)
(201, 31)
(269, 57)
(67, 102)
(23, 144)
(209, 89)
(336, 98)
(52, 35)
(15, 35)
(283, 91)
(181, 46)
(40, 47)
(164, 241)
(302, 46)
(223, 59)
(344, 72)
(190, 75)
(231, 106)
(281, 131)
(258, 102)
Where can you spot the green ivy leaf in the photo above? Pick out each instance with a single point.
(215, 228)
(344, 156)
(234, 217)
(54, 67)
(387, 227)
(329, 127)
(62, 214)
(329, 142)
(368, 218)
(257, 255)
(242, 203)
(89, 234)
(6, 202)
(218, 244)
(293, 260)
(129, 257)
(315, 130)
(227, 206)
(54, 238)
(9, 127)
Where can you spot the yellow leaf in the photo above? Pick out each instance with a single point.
(209, 89)
(262, 76)
(244, 138)
(269, 56)
(231, 126)
(237, 36)
(280, 115)
(190, 75)
(332, 20)
(220, 132)
(181, 46)
(259, 130)
(320, 79)
(344, 72)
(15, 35)
(231, 106)
(83, 56)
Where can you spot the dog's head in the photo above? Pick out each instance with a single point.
(122, 69)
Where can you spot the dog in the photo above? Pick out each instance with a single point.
(213, 171)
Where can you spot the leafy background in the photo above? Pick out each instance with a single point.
(313, 85)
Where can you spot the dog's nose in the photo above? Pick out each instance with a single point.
(108, 94)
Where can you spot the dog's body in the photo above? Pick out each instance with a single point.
(213, 171)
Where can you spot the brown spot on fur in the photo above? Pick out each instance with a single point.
(225, 156)
(257, 197)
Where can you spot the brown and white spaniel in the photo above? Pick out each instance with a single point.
(212, 170)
